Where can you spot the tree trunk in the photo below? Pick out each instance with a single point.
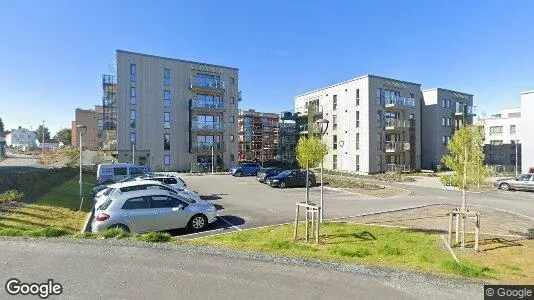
(464, 183)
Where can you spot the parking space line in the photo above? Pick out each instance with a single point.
(231, 225)
(200, 232)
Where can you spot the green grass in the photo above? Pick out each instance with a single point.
(153, 237)
(371, 245)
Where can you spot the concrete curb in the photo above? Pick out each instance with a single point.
(408, 192)
(87, 225)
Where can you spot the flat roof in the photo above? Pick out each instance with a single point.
(169, 58)
(527, 92)
(354, 79)
(446, 90)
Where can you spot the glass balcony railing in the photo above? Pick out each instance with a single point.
(400, 101)
(208, 126)
(395, 123)
(396, 146)
(460, 109)
(207, 104)
(207, 83)
(206, 147)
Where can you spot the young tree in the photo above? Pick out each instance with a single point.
(466, 159)
(64, 136)
(39, 132)
(1, 127)
(310, 152)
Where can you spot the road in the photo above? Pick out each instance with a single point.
(19, 162)
(102, 271)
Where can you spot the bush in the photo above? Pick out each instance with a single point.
(11, 195)
(154, 237)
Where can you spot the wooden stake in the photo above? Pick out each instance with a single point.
(296, 223)
(307, 224)
(449, 236)
(457, 227)
(312, 223)
(463, 231)
(477, 232)
(317, 227)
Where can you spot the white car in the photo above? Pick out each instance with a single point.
(172, 181)
(137, 185)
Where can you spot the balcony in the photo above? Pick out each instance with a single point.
(303, 129)
(461, 110)
(206, 147)
(397, 168)
(399, 102)
(208, 126)
(395, 124)
(396, 146)
(206, 84)
(207, 105)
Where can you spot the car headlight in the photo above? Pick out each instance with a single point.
(275, 180)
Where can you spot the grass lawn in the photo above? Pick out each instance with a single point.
(362, 187)
(55, 211)
(382, 246)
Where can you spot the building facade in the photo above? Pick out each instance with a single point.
(21, 137)
(287, 138)
(373, 123)
(92, 118)
(501, 136)
(258, 135)
(108, 137)
(173, 113)
(443, 111)
(527, 136)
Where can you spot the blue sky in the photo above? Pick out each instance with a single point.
(52, 53)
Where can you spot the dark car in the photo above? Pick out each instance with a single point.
(246, 169)
(291, 178)
(265, 173)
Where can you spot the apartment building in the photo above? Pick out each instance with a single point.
(258, 135)
(172, 113)
(527, 136)
(108, 138)
(501, 136)
(92, 118)
(374, 123)
(288, 137)
(443, 111)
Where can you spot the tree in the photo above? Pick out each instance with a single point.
(1, 127)
(64, 136)
(310, 152)
(39, 132)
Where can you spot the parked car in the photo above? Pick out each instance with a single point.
(523, 182)
(250, 169)
(110, 173)
(103, 186)
(291, 178)
(138, 185)
(173, 181)
(265, 173)
(152, 210)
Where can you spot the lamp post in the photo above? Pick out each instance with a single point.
(81, 131)
(341, 143)
(321, 123)
(133, 151)
(516, 142)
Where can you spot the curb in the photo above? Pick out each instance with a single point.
(87, 225)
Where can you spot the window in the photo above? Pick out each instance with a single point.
(357, 97)
(443, 103)
(379, 141)
(512, 129)
(448, 139)
(334, 102)
(496, 142)
(495, 130)
(334, 142)
(133, 137)
(443, 121)
(133, 73)
(448, 103)
(334, 162)
(357, 141)
(166, 141)
(357, 163)
(99, 123)
(167, 160)
(231, 119)
(136, 203)
(166, 120)
(167, 98)
(132, 118)
(166, 202)
(379, 96)
(379, 118)
(232, 138)
(133, 99)
(357, 119)
(232, 80)
(105, 205)
(232, 100)
(232, 157)
(444, 140)
(448, 121)
(512, 158)
(119, 172)
(166, 77)
(334, 122)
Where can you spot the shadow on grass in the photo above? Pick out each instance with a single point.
(23, 222)
(362, 236)
(428, 231)
(529, 234)
(32, 215)
(495, 243)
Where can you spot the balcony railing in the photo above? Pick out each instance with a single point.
(398, 146)
(206, 83)
(206, 147)
(397, 168)
(208, 126)
(400, 102)
(460, 109)
(219, 105)
(391, 124)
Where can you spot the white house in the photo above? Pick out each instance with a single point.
(527, 135)
(21, 137)
(48, 144)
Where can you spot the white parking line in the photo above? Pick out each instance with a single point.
(231, 225)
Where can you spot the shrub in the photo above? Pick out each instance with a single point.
(11, 195)
(154, 237)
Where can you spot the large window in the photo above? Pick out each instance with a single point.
(379, 96)
(443, 103)
(166, 141)
(208, 121)
(495, 129)
(512, 129)
(167, 98)
(443, 121)
(334, 102)
(133, 73)
(166, 77)
(133, 137)
(167, 160)
(167, 120)
(133, 98)
(334, 142)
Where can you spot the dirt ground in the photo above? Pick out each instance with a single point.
(435, 218)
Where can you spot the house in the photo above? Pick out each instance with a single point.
(21, 137)
(48, 144)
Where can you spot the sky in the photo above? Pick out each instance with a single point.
(53, 53)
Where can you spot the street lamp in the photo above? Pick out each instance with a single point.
(133, 151)
(321, 126)
(341, 143)
(81, 131)
(516, 142)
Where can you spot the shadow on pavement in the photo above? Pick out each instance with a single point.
(224, 222)
(212, 197)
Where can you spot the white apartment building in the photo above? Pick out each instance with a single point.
(21, 137)
(374, 123)
(443, 111)
(173, 113)
(501, 133)
(527, 135)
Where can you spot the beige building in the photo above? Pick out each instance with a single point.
(374, 123)
(527, 136)
(92, 118)
(443, 111)
(172, 113)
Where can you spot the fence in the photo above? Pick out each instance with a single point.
(205, 168)
(504, 170)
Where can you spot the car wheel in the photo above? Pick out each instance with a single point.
(504, 186)
(311, 182)
(238, 173)
(122, 227)
(197, 222)
(283, 185)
